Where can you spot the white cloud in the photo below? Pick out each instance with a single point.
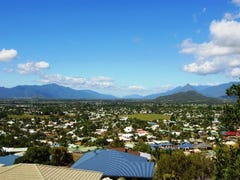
(78, 82)
(7, 55)
(220, 55)
(212, 66)
(206, 49)
(226, 34)
(136, 88)
(42, 65)
(235, 72)
(236, 2)
(231, 16)
(32, 67)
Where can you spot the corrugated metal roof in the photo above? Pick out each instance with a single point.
(8, 160)
(116, 164)
(204, 145)
(185, 145)
(45, 172)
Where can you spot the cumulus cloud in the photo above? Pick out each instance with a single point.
(226, 34)
(231, 16)
(32, 67)
(7, 55)
(219, 55)
(42, 65)
(236, 2)
(136, 88)
(78, 82)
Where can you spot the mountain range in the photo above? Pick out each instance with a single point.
(215, 91)
(54, 91)
(50, 91)
(188, 97)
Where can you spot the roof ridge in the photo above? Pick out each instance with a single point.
(8, 168)
(39, 171)
(64, 168)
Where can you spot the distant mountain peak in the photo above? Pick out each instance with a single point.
(50, 91)
(187, 97)
(187, 87)
(206, 90)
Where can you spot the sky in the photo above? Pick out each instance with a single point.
(119, 47)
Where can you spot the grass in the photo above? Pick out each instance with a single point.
(27, 116)
(149, 117)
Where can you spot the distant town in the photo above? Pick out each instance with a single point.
(173, 141)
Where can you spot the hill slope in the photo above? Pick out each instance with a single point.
(216, 91)
(50, 91)
(209, 91)
(187, 97)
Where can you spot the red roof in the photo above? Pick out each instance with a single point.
(232, 133)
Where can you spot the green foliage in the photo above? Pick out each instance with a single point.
(234, 90)
(2, 152)
(141, 146)
(231, 113)
(230, 118)
(117, 143)
(201, 166)
(39, 155)
(57, 156)
(179, 166)
(3, 114)
(60, 156)
(227, 162)
(101, 142)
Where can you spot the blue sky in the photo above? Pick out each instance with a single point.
(119, 47)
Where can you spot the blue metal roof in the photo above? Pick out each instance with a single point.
(116, 164)
(185, 145)
(8, 160)
(162, 144)
(165, 145)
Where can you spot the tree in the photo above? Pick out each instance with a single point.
(117, 143)
(227, 162)
(230, 118)
(179, 166)
(141, 146)
(201, 166)
(234, 90)
(101, 141)
(60, 156)
(2, 152)
(231, 113)
(39, 155)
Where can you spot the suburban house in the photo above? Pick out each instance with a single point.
(115, 164)
(186, 146)
(45, 172)
(8, 160)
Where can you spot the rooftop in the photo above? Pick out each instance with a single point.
(116, 164)
(45, 172)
